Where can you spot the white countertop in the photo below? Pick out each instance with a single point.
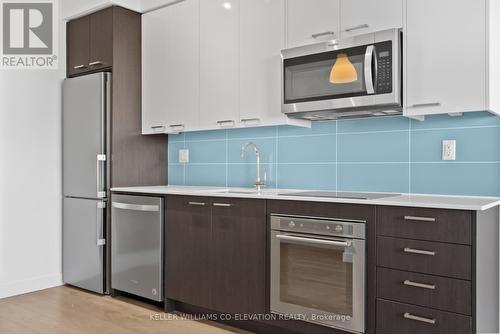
(414, 200)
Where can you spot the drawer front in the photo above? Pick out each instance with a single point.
(425, 257)
(454, 226)
(424, 290)
(398, 318)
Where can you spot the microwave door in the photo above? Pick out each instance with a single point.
(329, 80)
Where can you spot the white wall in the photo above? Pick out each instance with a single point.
(30, 178)
(30, 167)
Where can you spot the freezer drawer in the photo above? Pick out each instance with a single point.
(137, 245)
(83, 243)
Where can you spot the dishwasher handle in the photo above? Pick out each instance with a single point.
(135, 207)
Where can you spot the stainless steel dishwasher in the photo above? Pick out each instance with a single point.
(137, 245)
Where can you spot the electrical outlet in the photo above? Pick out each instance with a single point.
(184, 156)
(449, 150)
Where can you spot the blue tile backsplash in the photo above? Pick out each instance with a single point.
(392, 154)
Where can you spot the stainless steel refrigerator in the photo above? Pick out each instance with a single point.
(86, 109)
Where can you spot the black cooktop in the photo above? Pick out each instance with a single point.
(339, 194)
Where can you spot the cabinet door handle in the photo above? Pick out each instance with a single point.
(358, 27)
(419, 285)
(410, 316)
(420, 219)
(325, 33)
(226, 123)
(419, 251)
(79, 67)
(197, 203)
(95, 63)
(224, 205)
(158, 128)
(177, 126)
(251, 120)
(426, 105)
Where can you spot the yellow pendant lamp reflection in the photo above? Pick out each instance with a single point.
(343, 70)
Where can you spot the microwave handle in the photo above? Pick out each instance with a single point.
(369, 73)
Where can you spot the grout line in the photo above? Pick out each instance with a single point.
(338, 133)
(227, 158)
(184, 165)
(458, 128)
(276, 140)
(336, 155)
(409, 156)
(373, 132)
(493, 162)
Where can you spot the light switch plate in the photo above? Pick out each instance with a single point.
(183, 156)
(449, 150)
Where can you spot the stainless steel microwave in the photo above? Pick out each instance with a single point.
(355, 77)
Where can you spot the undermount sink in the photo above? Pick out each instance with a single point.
(229, 191)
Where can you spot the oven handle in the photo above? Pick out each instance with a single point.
(314, 241)
(369, 75)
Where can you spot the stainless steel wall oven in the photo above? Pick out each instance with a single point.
(318, 270)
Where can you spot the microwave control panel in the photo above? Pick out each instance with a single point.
(384, 66)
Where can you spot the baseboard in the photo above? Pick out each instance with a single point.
(29, 285)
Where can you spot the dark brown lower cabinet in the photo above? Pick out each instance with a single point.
(187, 250)
(215, 253)
(238, 256)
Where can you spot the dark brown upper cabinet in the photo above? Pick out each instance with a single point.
(90, 42)
(78, 44)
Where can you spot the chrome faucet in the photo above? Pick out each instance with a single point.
(259, 183)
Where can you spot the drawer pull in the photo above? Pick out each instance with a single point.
(419, 251)
(419, 285)
(223, 205)
(197, 203)
(79, 67)
(96, 63)
(420, 219)
(410, 316)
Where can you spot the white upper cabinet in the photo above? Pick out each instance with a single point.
(170, 68)
(365, 16)
(262, 37)
(219, 63)
(445, 57)
(311, 21)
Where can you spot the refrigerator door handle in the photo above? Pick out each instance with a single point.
(100, 241)
(101, 158)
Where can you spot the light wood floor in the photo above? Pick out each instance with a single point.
(67, 310)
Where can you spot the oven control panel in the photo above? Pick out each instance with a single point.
(320, 226)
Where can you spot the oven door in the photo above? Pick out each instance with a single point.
(319, 279)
